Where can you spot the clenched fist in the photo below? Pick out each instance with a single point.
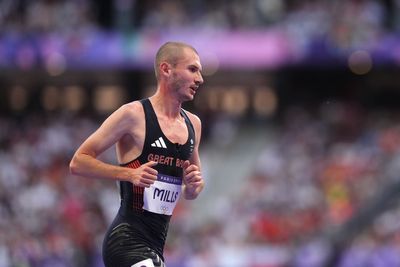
(192, 180)
(145, 175)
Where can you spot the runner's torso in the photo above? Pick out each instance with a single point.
(149, 210)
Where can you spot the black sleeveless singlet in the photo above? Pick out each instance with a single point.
(140, 228)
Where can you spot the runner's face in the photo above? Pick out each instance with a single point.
(186, 76)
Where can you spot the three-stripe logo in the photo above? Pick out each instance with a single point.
(159, 143)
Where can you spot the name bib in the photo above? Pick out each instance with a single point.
(162, 196)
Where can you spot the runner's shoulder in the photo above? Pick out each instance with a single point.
(132, 111)
(193, 118)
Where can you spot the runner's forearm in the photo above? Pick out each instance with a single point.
(88, 166)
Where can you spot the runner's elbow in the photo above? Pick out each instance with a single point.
(74, 165)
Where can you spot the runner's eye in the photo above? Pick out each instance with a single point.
(193, 69)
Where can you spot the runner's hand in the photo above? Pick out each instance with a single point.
(145, 175)
(192, 178)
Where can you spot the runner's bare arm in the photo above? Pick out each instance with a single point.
(85, 162)
(192, 177)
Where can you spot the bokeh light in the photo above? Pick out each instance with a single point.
(360, 62)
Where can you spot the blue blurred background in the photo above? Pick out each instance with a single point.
(301, 129)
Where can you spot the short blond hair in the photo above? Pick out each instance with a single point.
(170, 52)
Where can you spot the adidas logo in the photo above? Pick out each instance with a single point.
(191, 145)
(159, 143)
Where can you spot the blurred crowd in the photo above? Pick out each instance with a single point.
(319, 169)
(58, 15)
(344, 22)
(57, 34)
(324, 167)
(48, 217)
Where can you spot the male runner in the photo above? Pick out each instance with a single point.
(157, 146)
